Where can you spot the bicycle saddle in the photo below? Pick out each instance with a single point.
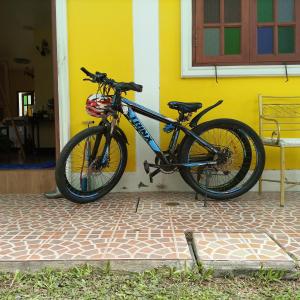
(185, 107)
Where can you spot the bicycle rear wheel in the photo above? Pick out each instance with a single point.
(89, 166)
(239, 167)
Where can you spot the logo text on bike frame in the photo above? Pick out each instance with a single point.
(135, 121)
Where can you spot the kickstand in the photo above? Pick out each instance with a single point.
(198, 178)
(151, 175)
(207, 178)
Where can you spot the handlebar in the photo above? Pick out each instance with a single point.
(118, 86)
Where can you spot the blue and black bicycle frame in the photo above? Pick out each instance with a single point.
(130, 110)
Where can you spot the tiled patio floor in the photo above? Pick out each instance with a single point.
(148, 226)
(244, 250)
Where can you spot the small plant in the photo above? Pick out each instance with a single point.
(107, 268)
(17, 278)
(151, 274)
(200, 267)
(206, 274)
(296, 276)
(194, 273)
(49, 279)
(269, 275)
(82, 271)
(172, 271)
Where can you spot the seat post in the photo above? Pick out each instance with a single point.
(181, 116)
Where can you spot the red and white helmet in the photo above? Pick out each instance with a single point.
(96, 104)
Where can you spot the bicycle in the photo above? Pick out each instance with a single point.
(93, 161)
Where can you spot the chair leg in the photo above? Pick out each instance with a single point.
(282, 176)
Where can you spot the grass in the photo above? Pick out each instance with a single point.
(87, 282)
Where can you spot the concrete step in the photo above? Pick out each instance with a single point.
(240, 252)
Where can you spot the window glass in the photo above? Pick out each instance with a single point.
(232, 10)
(265, 11)
(286, 10)
(265, 40)
(286, 39)
(212, 11)
(212, 41)
(232, 41)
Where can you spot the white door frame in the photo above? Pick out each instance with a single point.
(62, 71)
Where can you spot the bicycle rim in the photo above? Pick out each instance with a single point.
(86, 175)
(232, 170)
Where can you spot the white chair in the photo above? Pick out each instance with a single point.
(279, 126)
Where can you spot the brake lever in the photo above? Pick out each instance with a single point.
(87, 79)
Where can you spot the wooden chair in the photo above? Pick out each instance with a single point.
(279, 126)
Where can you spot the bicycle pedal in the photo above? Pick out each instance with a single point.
(146, 167)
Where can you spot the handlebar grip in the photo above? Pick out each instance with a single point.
(86, 72)
(137, 87)
(129, 86)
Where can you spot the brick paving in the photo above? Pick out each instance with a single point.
(149, 226)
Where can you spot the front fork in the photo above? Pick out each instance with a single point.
(91, 151)
(85, 181)
(103, 158)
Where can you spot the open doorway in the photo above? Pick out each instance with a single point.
(27, 112)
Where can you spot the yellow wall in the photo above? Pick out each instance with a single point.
(100, 39)
(240, 94)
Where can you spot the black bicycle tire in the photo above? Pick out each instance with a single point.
(221, 123)
(61, 181)
(246, 163)
(199, 130)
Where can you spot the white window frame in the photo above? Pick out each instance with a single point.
(188, 70)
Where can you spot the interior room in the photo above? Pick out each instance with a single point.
(27, 127)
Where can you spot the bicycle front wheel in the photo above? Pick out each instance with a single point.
(90, 166)
(238, 168)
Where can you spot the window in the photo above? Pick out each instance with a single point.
(245, 32)
(26, 102)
